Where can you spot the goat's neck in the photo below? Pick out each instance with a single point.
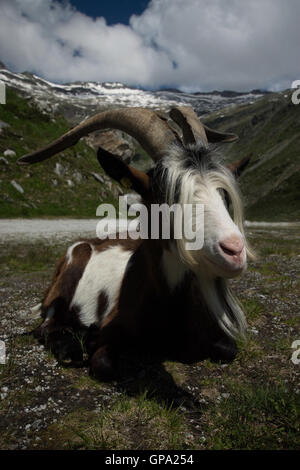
(172, 266)
(164, 261)
(163, 258)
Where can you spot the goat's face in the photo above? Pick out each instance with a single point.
(194, 175)
(223, 252)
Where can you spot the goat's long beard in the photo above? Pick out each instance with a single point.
(218, 299)
(222, 305)
(186, 172)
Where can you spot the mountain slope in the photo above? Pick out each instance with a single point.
(76, 101)
(38, 111)
(269, 131)
(62, 186)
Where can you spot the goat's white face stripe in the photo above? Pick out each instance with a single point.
(103, 273)
(217, 221)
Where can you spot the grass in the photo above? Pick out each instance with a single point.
(30, 256)
(264, 418)
(253, 309)
(45, 193)
(252, 403)
(85, 382)
(122, 424)
(279, 242)
(249, 350)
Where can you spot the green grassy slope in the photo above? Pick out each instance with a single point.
(30, 129)
(269, 130)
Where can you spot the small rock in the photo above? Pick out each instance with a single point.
(70, 183)
(59, 170)
(77, 177)
(115, 191)
(4, 125)
(17, 186)
(98, 177)
(9, 153)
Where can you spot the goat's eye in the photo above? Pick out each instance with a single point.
(225, 197)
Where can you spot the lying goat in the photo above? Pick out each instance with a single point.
(155, 293)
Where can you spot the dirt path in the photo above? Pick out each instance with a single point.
(19, 229)
(15, 229)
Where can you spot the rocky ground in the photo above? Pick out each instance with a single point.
(253, 403)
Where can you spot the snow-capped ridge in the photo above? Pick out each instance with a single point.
(80, 99)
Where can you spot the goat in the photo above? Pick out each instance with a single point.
(155, 293)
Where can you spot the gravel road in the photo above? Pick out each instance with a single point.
(14, 229)
(28, 229)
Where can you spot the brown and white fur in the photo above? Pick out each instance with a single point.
(155, 294)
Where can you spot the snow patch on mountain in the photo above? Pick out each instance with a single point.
(81, 99)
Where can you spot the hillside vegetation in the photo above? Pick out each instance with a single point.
(269, 131)
(69, 190)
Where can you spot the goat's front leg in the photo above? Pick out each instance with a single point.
(103, 364)
(224, 350)
(103, 349)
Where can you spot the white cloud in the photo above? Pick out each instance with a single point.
(192, 44)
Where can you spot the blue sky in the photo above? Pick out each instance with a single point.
(194, 45)
(114, 11)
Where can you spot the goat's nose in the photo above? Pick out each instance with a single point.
(232, 246)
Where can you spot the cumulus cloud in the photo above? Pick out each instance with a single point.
(193, 45)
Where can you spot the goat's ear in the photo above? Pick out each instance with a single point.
(125, 175)
(217, 136)
(239, 166)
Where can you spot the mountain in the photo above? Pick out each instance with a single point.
(38, 111)
(71, 184)
(76, 101)
(269, 132)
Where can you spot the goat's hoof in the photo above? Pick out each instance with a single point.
(102, 365)
(224, 351)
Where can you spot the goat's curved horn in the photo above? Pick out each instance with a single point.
(147, 127)
(193, 129)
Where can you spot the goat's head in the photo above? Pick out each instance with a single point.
(192, 172)
(187, 171)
